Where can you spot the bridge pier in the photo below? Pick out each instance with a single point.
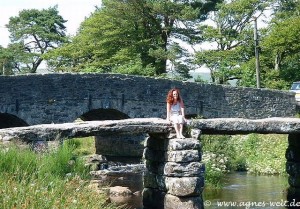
(174, 178)
(293, 168)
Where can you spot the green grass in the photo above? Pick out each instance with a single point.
(83, 146)
(56, 179)
(254, 153)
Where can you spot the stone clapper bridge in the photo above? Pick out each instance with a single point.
(174, 176)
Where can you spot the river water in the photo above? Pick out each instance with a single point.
(239, 188)
(244, 190)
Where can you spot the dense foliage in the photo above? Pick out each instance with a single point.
(151, 38)
(134, 37)
(33, 32)
(253, 153)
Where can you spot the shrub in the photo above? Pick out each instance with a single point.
(254, 153)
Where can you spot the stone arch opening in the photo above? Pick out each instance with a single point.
(103, 114)
(8, 120)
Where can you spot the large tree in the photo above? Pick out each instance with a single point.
(33, 32)
(135, 33)
(281, 45)
(231, 32)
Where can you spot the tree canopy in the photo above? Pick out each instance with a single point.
(33, 32)
(231, 32)
(139, 34)
(281, 45)
(148, 37)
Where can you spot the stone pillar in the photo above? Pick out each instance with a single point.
(174, 176)
(293, 169)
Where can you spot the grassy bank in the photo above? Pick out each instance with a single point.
(254, 153)
(56, 179)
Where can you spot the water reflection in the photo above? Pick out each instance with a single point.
(238, 187)
(249, 189)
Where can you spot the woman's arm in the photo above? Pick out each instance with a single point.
(182, 109)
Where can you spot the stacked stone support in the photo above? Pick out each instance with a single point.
(174, 177)
(293, 169)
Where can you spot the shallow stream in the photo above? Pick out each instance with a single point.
(248, 190)
(239, 188)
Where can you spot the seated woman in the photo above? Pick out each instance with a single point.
(175, 111)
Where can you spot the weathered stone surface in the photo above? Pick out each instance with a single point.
(183, 156)
(245, 126)
(172, 156)
(292, 154)
(294, 140)
(152, 166)
(94, 162)
(150, 125)
(63, 97)
(183, 144)
(120, 191)
(178, 186)
(184, 186)
(153, 155)
(173, 202)
(195, 133)
(294, 181)
(173, 169)
(150, 180)
(88, 128)
(172, 144)
(153, 198)
(293, 168)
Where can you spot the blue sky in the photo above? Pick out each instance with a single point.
(74, 11)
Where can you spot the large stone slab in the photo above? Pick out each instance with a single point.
(174, 202)
(172, 156)
(174, 169)
(155, 199)
(172, 144)
(182, 169)
(150, 125)
(184, 186)
(87, 128)
(178, 186)
(246, 126)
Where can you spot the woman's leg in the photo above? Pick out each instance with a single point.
(177, 129)
(181, 130)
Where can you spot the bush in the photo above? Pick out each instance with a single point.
(254, 153)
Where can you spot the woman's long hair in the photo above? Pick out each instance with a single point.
(170, 98)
